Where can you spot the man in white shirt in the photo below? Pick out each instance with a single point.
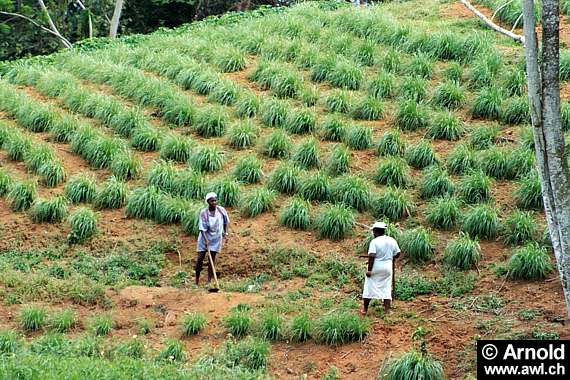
(378, 282)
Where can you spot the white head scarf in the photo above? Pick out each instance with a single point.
(210, 196)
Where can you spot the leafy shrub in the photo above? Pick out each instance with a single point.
(421, 155)
(143, 203)
(49, 210)
(383, 86)
(333, 129)
(443, 212)
(358, 137)
(277, 145)
(207, 158)
(315, 187)
(22, 194)
(519, 228)
(528, 193)
(296, 214)
(436, 183)
(393, 171)
(301, 121)
(211, 122)
(418, 244)
(411, 116)
(274, 113)
(248, 170)
(112, 195)
(488, 103)
(83, 225)
(242, 135)
(461, 159)
(475, 187)
(272, 326)
(413, 88)
(391, 144)
(530, 262)
(32, 317)
(257, 201)
(415, 365)
(193, 323)
(335, 222)
(352, 191)
(340, 328)
(448, 95)
(80, 188)
(62, 321)
(445, 126)
(462, 252)
(339, 161)
(301, 328)
(238, 323)
(368, 109)
(481, 221)
(394, 204)
(306, 154)
(248, 106)
(338, 101)
(126, 166)
(285, 178)
(177, 148)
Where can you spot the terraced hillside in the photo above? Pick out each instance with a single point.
(309, 123)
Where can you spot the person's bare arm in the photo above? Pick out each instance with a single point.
(371, 258)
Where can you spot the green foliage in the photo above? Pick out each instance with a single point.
(296, 214)
(382, 86)
(394, 204)
(495, 163)
(126, 166)
(193, 323)
(242, 135)
(162, 175)
(9, 342)
(443, 212)
(250, 353)
(306, 154)
(391, 61)
(5, 181)
(22, 194)
(238, 323)
(191, 218)
(528, 193)
(393, 171)
(101, 152)
(436, 183)
(274, 113)
(301, 121)
(421, 155)
(143, 202)
(224, 92)
(248, 106)
(272, 326)
(257, 201)
(340, 328)
(488, 103)
(228, 191)
(338, 101)
(248, 169)
(421, 66)
(481, 221)
(519, 228)
(101, 324)
(211, 122)
(530, 262)
(520, 162)
(83, 225)
(277, 145)
(146, 139)
(207, 158)
(301, 328)
(285, 178)
(461, 159)
(230, 59)
(484, 70)
(310, 96)
(449, 95)
(176, 148)
(315, 187)
(346, 74)
(112, 195)
(516, 111)
(37, 155)
(49, 210)
(189, 184)
(415, 365)
(335, 222)
(62, 321)
(173, 351)
(391, 144)
(445, 126)
(462, 252)
(171, 210)
(411, 116)
(352, 191)
(418, 244)
(358, 137)
(339, 161)
(32, 317)
(368, 109)
(333, 129)
(80, 188)
(17, 145)
(475, 187)
(413, 88)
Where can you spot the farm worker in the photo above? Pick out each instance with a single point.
(213, 226)
(378, 281)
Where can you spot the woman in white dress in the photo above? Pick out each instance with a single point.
(378, 281)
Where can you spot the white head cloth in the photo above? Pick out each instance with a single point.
(210, 196)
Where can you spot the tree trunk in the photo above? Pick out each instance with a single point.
(52, 26)
(544, 97)
(115, 20)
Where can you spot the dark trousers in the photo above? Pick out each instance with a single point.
(200, 264)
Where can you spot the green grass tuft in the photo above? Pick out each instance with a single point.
(5, 181)
(421, 155)
(143, 203)
(418, 244)
(443, 213)
(358, 137)
(52, 173)
(461, 159)
(352, 191)
(49, 210)
(411, 116)
(530, 262)
(126, 166)
(32, 317)
(257, 201)
(481, 221)
(368, 109)
(230, 59)
(285, 178)
(274, 113)
(80, 188)
(248, 169)
(211, 122)
(173, 351)
(488, 103)
(462, 252)
(272, 326)
(495, 163)
(176, 148)
(62, 321)
(528, 193)
(420, 65)
(449, 95)
(277, 145)
(341, 328)
(248, 106)
(146, 139)
(333, 129)
(193, 323)
(83, 225)
(519, 228)
(339, 161)
(453, 72)
(413, 88)
(415, 365)
(347, 75)
(296, 214)
(338, 101)
(301, 121)
(335, 222)
(163, 176)
(207, 158)
(315, 187)
(516, 111)
(242, 135)
(306, 154)
(224, 92)
(112, 195)
(436, 183)
(301, 328)
(475, 187)
(393, 171)
(383, 86)
(391, 144)
(394, 204)
(21, 195)
(446, 126)
(101, 324)
(238, 323)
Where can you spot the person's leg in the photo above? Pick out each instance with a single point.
(365, 306)
(210, 269)
(387, 304)
(199, 265)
